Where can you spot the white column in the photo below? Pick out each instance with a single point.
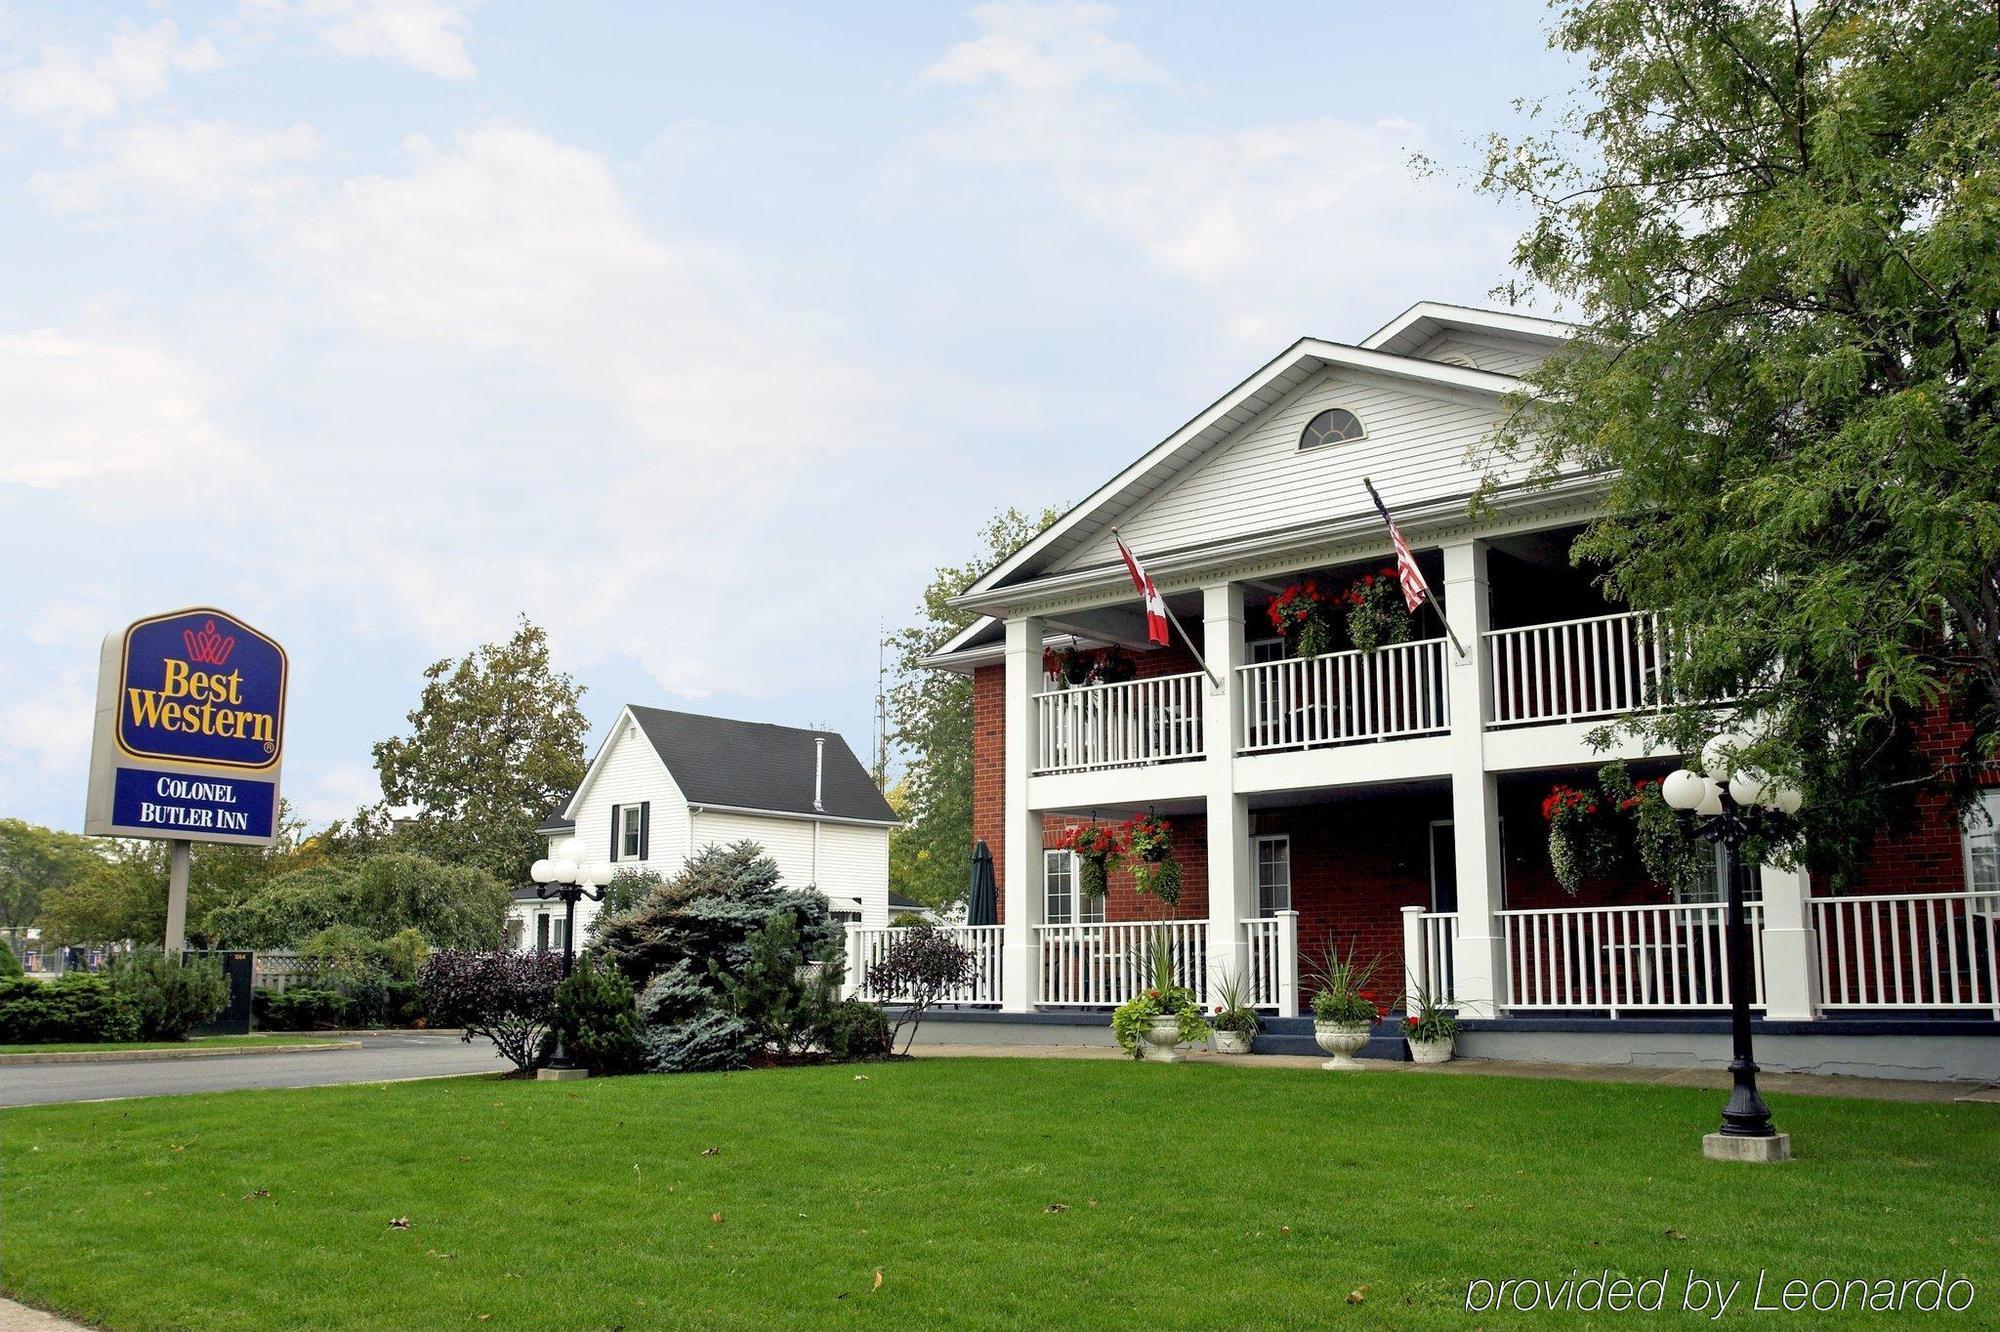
(1416, 969)
(1288, 964)
(1479, 966)
(1791, 980)
(1021, 841)
(1232, 881)
(852, 984)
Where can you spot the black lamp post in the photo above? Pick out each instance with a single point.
(1730, 813)
(570, 880)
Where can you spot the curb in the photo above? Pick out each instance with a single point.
(131, 1056)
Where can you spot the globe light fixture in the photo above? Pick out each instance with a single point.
(1730, 802)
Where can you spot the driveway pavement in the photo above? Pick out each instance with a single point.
(381, 1058)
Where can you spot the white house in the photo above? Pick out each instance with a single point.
(666, 784)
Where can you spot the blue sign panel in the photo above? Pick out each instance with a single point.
(200, 687)
(178, 804)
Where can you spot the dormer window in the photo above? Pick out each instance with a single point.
(1335, 425)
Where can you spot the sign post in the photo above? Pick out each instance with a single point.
(189, 740)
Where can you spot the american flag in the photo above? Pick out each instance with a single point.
(1142, 583)
(1415, 589)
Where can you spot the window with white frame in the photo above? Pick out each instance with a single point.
(1273, 854)
(1982, 852)
(1063, 900)
(631, 832)
(1265, 649)
(1715, 887)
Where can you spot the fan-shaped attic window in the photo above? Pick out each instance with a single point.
(1335, 425)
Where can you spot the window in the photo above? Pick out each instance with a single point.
(1715, 889)
(1982, 852)
(542, 932)
(1266, 649)
(557, 928)
(1335, 425)
(631, 832)
(1063, 899)
(1274, 873)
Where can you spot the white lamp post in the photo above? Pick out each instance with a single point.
(565, 876)
(1730, 812)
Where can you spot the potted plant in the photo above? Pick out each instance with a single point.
(1116, 666)
(1163, 1019)
(1303, 617)
(1582, 844)
(1431, 1030)
(1377, 612)
(1344, 1008)
(1235, 1023)
(1097, 847)
(1070, 666)
(1149, 841)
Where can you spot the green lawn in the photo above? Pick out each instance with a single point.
(987, 1193)
(197, 1043)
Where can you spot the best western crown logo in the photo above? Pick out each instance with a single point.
(208, 647)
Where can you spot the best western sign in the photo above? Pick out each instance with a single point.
(190, 730)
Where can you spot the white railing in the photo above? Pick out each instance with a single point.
(1604, 666)
(866, 947)
(1271, 962)
(1638, 957)
(1345, 697)
(1157, 720)
(1936, 950)
(281, 971)
(1430, 943)
(1101, 966)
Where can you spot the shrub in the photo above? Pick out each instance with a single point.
(171, 996)
(921, 967)
(782, 991)
(854, 1029)
(406, 1004)
(509, 998)
(597, 1020)
(707, 1043)
(305, 1008)
(76, 1007)
(10, 962)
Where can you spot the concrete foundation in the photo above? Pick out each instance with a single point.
(1722, 1147)
(560, 1074)
(1829, 1051)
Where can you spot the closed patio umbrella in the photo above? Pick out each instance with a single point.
(982, 900)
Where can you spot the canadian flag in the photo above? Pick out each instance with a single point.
(1156, 605)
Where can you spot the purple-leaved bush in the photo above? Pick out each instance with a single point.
(509, 998)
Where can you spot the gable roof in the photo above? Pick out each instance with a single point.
(1164, 463)
(1423, 321)
(720, 762)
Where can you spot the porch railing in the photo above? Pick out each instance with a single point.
(1430, 945)
(1578, 669)
(1103, 965)
(1637, 957)
(1937, 950)
(1271, 965)
(866, 947)
(1345, 697)
(1156, 720)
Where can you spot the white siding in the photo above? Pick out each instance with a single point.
(631, 772)
(1416, 449)
(787, 841)
(854, 862)
(1487, 351)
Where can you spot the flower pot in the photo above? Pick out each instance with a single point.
(1431, 1052)
(1230, 1042)
(1162, 1042)
(1341, 1040)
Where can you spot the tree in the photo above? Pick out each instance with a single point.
(496, 742)
(930, 720)
(121, 898)
(450, 906)
(1778, 226)
(34, 860)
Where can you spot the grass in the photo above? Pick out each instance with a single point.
(195, 1043)
(987, 1194)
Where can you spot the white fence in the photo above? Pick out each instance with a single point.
(1157, 720)
(1638, 957)
(1577, 669)
(1101, 966)
(868, 947)
(1271, 962)
(1430, 945)
(1345, 697)
(281, 971)
(1939, 950)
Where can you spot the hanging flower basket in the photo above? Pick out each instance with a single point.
(1071, 666)
(1116, 666)
(1097, 849)
(1149, 840)
(1377, 614)
(1582, 842)
(1302, 615)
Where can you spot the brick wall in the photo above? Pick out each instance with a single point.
(989, 768)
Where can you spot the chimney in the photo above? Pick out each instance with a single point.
(819, 772)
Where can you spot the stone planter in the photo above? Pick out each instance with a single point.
(1230, 1042)
(1431, 1052)
(1341, 1040)
(1162, 1042)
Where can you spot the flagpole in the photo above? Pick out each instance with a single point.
(1430, 593)
(1175, 621)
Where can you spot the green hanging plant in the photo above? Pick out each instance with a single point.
(1377, 614)
(1149, 840)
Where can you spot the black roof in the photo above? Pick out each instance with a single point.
(755, 765)
(554, 822)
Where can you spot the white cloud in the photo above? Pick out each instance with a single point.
(81, 410)
(133, 66)
(334, 791)
(426, 35)
(1284, 225)
(197, 164)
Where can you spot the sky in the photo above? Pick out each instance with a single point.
(699, 334)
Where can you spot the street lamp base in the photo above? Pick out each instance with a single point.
(1726, 1147)
(572, 1074)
